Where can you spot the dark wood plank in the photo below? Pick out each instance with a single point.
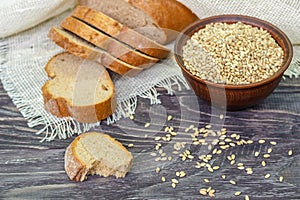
(30, 169)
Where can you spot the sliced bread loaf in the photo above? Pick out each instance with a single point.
(120, 32)
(160, 20)
(96, 153)
(109, 44)
(81, 89)
(85, 50)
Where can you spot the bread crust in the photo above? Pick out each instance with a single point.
(85, 114)
(170, 15)
(110, 45)
(61, 107)
(77, 170)
(71, 46)
(82, 50)
(120, 32)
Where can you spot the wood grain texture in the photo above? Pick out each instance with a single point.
(30, 169)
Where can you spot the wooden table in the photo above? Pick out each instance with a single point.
(30, 169)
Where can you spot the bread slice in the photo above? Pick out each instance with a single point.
(109, 44)
(120, 32)
(96, 153)
(160, 20)
(81, 89)
(85, 50)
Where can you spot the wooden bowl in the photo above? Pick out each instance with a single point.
(233, 97)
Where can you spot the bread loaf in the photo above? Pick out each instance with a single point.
(170, 15)
(85, 50)
(78, 88)
(121, 32)
(109, 44)
(160, 20)
(96, 153)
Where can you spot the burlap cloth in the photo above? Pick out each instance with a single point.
(25, 50)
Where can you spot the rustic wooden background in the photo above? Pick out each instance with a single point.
(30, 169)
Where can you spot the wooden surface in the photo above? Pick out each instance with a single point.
(30, 169)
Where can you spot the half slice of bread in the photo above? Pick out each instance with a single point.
(81, 89)
(96, 153)
(120, 32)
(160, 20)
(85, 50)
(109, 44)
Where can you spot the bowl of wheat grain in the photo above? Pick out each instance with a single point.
(233, 61)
